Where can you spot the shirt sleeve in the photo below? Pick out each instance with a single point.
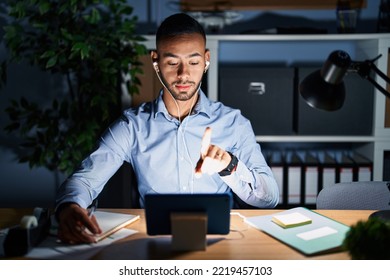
(89, 179)
(253, 181)
(257, 189)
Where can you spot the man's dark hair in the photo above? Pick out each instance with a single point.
(178, 24)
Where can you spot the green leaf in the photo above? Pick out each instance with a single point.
(10, 32)
(68, 36)
(40, 25)
(49, 53)
(51, 62)
(82, 49)
(126, 10)
(44, 7)
(95, 16)
(19, 10)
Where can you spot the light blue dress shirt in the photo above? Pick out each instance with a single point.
(164, 153)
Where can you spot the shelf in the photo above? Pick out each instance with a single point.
(294, 37)
(299, 37)
(325, 139)
(313, 48)
(208, 5)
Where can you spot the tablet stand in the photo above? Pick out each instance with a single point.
(189, 231)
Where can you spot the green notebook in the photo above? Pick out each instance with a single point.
(321, 235)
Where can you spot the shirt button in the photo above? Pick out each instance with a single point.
(184, 187)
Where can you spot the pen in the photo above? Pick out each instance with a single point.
(93, 207)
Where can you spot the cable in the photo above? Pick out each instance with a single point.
(239, 231)
(238, 214)
(186, 148)
(177, 105)
(192, 180)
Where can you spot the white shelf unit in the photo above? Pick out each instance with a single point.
(289, 49)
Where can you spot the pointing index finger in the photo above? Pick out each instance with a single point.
(206, 140)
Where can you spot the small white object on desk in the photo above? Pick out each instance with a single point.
(291, 220)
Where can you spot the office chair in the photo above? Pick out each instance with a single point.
(373, 195)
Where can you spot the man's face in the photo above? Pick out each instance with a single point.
(182, 62)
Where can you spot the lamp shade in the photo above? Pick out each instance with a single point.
(324, 89)
(320, 94)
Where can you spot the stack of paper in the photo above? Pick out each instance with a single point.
(291, 220)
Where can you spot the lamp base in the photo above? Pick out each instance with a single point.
(382, 214)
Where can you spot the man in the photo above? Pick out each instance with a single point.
(180, 143)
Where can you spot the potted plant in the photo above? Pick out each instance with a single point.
(369, 240)
(93, 46)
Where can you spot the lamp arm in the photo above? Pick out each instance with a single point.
(379, 87)
(364, 68)
(379, 72)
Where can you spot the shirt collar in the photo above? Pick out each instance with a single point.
(202, 107)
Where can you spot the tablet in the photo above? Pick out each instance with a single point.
(158, 209)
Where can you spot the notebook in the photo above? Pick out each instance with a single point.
(321, 235)
(111, 222)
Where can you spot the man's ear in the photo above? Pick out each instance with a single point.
(154, 56)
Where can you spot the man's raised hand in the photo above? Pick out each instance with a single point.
(212, 159)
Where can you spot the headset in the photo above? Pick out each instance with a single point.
(207, 66)
(157, 70)
(155, 66)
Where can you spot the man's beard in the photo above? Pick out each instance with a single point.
(182, 96)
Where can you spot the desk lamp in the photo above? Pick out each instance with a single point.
(324, 89)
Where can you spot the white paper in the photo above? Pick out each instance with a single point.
(292, 218)
(311, 184)
(51, 249)
(346, 175)
(364, 174)
(316, 233)
(294, 185)
(278, 175)
(329, 177)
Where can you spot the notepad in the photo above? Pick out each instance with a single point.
(111, 222)
(294, 219)
(322, 235)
